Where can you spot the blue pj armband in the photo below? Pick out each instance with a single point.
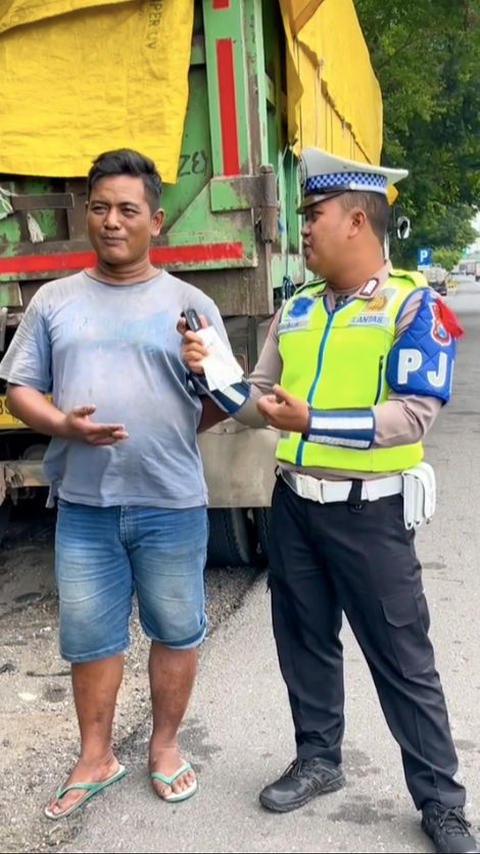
(347, 428)
(229, 399)
(421, 361)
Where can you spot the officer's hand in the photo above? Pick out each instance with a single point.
(193, 348)
(78, 427)
(284, 411)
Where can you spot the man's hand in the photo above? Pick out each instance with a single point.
(77, 427)
(34, 409)
(193, 348)
(285, 412)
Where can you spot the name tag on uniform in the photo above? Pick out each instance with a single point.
(370, 320)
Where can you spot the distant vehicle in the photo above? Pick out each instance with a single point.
(437, 279)
(440, 287)
(467, 268)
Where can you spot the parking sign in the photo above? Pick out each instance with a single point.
(424, 257)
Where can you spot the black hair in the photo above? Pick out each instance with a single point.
(375, 206)
(126, 161)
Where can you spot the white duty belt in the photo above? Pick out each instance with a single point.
(417, 485)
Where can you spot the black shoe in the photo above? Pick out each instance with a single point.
(449, 830)
(303, 780)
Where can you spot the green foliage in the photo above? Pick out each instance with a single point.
(447, 258)
(426, 54)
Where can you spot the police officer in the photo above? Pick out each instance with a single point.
(354, 371)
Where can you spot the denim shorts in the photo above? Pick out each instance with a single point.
(106, 554)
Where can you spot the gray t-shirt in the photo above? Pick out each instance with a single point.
(116, 346)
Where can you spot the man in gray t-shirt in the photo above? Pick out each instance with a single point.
(124, 464)
(91, 341)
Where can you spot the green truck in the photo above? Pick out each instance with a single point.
(231, 229)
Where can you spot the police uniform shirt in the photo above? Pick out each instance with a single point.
(400, 420)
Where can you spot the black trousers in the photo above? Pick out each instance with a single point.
(326, 559)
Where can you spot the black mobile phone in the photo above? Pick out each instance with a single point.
(192, 318)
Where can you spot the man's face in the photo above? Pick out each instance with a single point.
(325, 234)
(120, 222)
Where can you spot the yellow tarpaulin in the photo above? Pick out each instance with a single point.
(334, 99)
(13, 13)
(299, 12)
(78, 77)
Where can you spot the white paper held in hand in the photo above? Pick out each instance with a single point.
(220, 366)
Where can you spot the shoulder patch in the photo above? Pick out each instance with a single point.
(295, 314)
(422, 360)
(300, 306)
(446, 320)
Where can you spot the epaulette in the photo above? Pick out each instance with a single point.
(417, 279)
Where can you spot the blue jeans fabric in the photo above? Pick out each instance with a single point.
(106, 554)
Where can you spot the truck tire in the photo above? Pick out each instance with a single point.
(231, 538)
(5, 514)
(261, 518)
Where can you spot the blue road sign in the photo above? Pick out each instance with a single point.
(424, 257)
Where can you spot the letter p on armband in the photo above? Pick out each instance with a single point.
(409, 361)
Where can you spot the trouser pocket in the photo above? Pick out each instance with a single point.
(408, 622)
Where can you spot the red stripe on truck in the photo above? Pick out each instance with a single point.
(47, 263)
(159, 255)
(221, 4)
(228, 107)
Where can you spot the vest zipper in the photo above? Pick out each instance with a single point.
(380, 379)
(311, 394)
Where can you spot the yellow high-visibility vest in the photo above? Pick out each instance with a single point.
(338, 360)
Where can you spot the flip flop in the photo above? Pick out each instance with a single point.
(175, 797)
(90, 790)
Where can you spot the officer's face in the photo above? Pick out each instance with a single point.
(119, 220)
(325, 235)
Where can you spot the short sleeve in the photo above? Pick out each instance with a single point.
(27, 361)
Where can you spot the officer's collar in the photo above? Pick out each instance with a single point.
(369, 288)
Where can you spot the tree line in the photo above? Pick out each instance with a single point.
(426, 55)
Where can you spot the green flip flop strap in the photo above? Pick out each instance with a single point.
(157, 775)
(87, 787)
(93, 788)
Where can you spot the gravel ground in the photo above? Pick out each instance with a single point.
(38, 732)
